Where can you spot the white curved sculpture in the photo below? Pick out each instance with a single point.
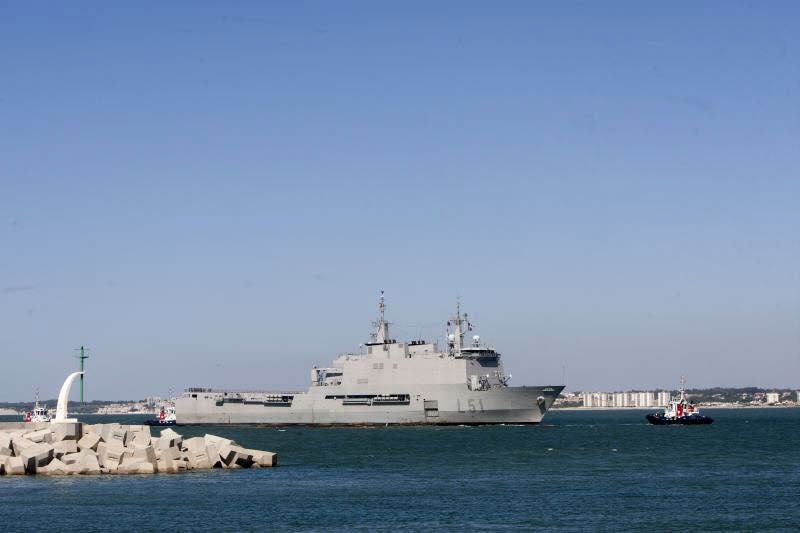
(63, 398)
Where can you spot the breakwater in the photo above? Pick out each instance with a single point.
(65, 448)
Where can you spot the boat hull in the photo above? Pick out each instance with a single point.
(328, 406)
(161, 422)
(692, 420)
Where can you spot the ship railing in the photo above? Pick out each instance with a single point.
(240, 391)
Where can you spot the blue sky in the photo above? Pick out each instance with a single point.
(214, 194)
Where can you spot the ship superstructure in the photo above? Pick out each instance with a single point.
(389, 382)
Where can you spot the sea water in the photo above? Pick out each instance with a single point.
(579, 470)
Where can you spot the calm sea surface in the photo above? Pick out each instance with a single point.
(599, 470)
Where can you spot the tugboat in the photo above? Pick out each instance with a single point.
(39, 413)
(166, 417)
(679, 412)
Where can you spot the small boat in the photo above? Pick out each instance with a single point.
(679, 411)
(166, 417)
(40, 413)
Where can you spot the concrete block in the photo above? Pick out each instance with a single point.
(38, 436)
(119, 434)
(89, 441)
(233, 455)
(194, 444)
(101, 449)
(128, 466)
(195, 449)
(212, 452)
(174, 438)
(113, 432)
(217, 441)
(112, 455)
(55, 468)
(5, 445)
(36, 456)
(63, 447)
(89, 465)
(18, 444)
(266, 459)
(166, 465)
(243, 456)
(227, 453)
(66, 431)
(72, 458)
(14, 466)
(147, 454)
(133, 430)
(172, 453)
(199, 460)
(162, 443)
(134, 467)
(141, 439)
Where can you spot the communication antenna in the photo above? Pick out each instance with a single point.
(82, 357)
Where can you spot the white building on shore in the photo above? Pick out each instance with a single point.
(773, 397)
(625, 399)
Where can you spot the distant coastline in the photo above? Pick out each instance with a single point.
(704, 406)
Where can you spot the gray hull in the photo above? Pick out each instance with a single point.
(437, 404)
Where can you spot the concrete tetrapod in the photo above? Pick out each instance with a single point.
(75, 448)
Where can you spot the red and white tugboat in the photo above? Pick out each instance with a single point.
(679, 412)
(166, 417)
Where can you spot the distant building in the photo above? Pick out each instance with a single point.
(620, 399)
(645, 399)
(663, 397)
(773, 397)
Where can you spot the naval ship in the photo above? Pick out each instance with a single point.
(388, 382)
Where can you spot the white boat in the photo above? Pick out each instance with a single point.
(40, 413)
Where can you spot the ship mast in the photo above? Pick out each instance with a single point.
(382, 326)
(457, 339)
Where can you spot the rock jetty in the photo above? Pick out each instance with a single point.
(75, 448)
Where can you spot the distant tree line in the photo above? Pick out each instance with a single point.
(737, 395)
(74, 407)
